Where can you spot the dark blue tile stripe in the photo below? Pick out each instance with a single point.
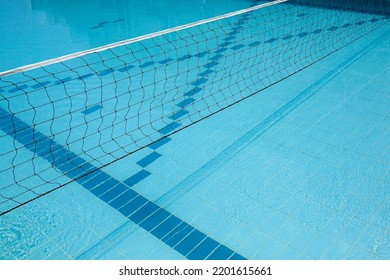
(237, 47)
(118, 20)
(113, 191)
(273, 40)
(148, 159)
(205, 73)
(165, 61)
(123, 199)
(132, 204)
(125, 68)
(221, 253)
(98, 179)
(211, 64)
(84, 77)
(231, 37)
(40, 85)
(146, 64)
(166, 226)
(169, 128)
(16, 89)
(193, 91)
(199, 82)
(143, 212)
(303, 34)
(136, 178)
(169, 229)
(62, 81)
(106, 72)
(203, 249)
(184, 57)
(155, 219)
(236, 256)
(178, 114)
(216, 57)
(221, 50)
(104, 187)
(185, 102)
(91, 109)
(159, 143)
(225, 44)
(190, 242)
(201, 54)
(177, 234)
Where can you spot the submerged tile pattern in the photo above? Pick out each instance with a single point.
(160, 223)
(174, 232)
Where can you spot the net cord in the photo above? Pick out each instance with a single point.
(133, 40)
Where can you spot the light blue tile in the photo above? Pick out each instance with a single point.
(289, 254)
(76, 238)
(96, 251)
(292, 204)
(320, 246)
(186, 207)
(253, 244)
(306, 236)
(16, 231)
(357, 254)
(370, 239)
(273, 224)
(213, 220)
(58, 255)
(289, 230)
(153, 187)
(142, 248)
(7, 256)
(270, 251)
(355, 228)
(113, 254)
(109, 224)
(163, 252)
(380, 219)
(133, 245)
(256, 219)
(41, 252)
(338, 251)
(382, 251)
(173, 255)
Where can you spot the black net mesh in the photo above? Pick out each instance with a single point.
(62, 121)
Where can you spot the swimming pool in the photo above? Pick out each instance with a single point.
(64, 29)
(297, 171)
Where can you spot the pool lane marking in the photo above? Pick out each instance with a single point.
(138, 209)
(259, 130)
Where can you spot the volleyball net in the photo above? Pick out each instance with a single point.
(67, 117)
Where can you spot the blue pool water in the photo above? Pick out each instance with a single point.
(64, 29)
(297, 171)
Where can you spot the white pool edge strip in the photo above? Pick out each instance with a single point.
(133, 40)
